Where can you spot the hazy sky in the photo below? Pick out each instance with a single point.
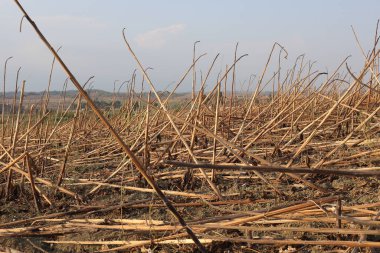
(162, 33)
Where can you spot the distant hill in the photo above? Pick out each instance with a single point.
(92, 93)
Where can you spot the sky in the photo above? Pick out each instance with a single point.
(162, 34)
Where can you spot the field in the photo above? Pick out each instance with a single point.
(291, 165)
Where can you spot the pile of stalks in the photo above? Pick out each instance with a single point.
(223, 170)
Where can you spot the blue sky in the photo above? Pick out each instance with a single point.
(162, 34)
